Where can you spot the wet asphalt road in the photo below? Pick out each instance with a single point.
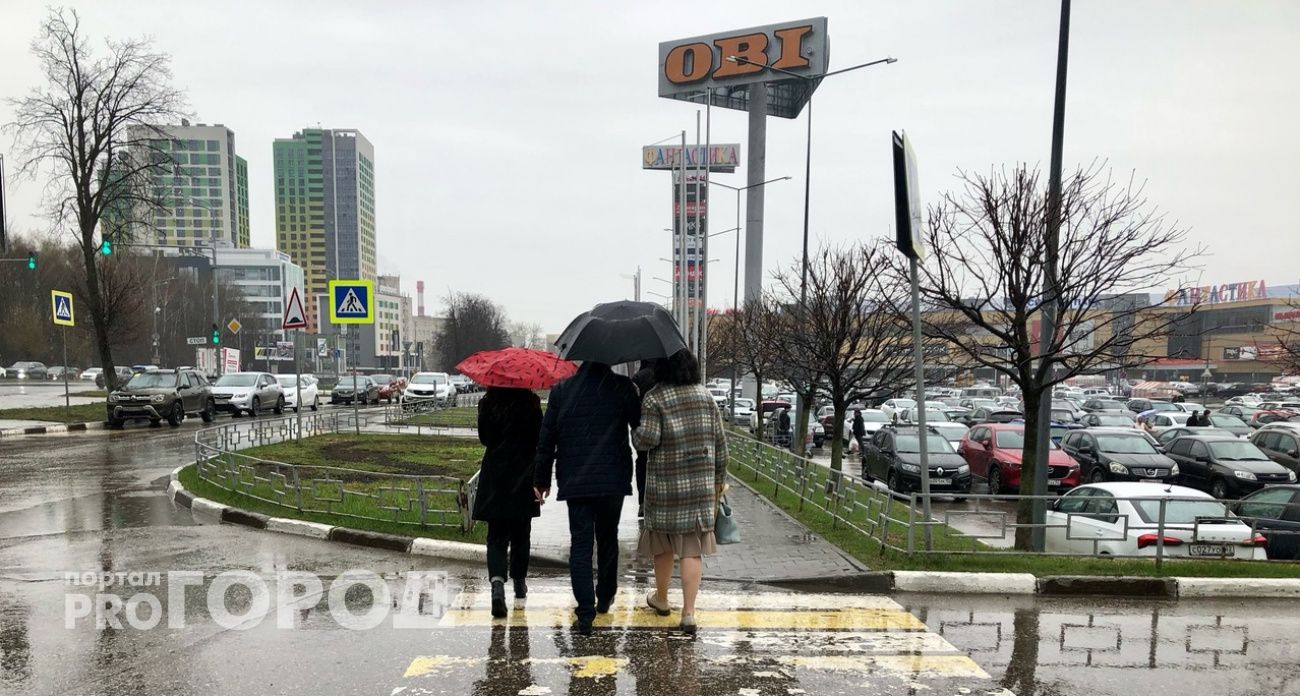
(95, 502)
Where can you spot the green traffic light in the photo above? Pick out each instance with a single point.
(106, 248)
(31, 261)
(216, 335)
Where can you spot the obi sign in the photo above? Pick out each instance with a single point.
(689, 67)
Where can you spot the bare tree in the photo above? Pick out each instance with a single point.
(91, 128)
(982, 283)
(754, 355)
(473, 324)
(852, 331)
(526, 335)
(780, 321)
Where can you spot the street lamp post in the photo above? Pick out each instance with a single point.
(735, 285)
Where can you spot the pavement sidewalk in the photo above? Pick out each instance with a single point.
(774, 547)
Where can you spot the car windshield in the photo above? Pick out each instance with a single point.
(1060, 415)
(874, 417)
(152, 380)
(909, 442)
(904, 403)
(288, 380)
(1164, 406)
(976, 403)
(1236, 450)
(237, 380)
(1117, 421)
(1227, 422)
(744, 403)
(1013, 439)
(951, 432)
(1124, 444)
(382, 379)
(428, 379)
(351, 383)
(1180, 511)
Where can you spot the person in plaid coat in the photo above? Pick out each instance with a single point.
(681, 429)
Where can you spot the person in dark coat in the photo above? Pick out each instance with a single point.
(859, 428)
(509, 422)
(586, 441)
(644, 379)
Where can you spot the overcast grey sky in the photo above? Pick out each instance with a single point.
(507, 134)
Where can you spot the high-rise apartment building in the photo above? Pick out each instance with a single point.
(325, 208)
(202, 186)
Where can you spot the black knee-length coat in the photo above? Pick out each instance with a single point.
(508, 425)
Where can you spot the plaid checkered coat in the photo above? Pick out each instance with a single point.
(682, 430)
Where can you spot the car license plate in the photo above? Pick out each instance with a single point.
(940, 482)
(1152, 481)
(1210, 550)
(1054, 482)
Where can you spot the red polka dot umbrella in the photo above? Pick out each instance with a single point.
(521, 368)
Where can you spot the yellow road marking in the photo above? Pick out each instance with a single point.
(745, 619)
(427, 664)
(635, 599)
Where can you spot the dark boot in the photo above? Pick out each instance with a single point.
(521, 588)
(498, 598)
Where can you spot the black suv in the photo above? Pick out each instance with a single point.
(1118, 454)
(161, 395)
(893, 456)
(1225, 466)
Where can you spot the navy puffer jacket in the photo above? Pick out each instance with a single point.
(586, 434)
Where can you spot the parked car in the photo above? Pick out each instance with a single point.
(361, 389)
(1262, 418)
(981, 402)
(1109, 419)
(1190, 406)
(159, 395)
(1274, 512)
(123, 373)
(1162, 421)
(1144, 405)
(391, 386)
(1275, 405)
(1232, 424)
(310, 391)
(430, 385)
(951, 431)
(26, 369)
(1225, 466)
(1102, 404)
(892, 407)
(1281, 443)
(993, 451)
(873, 419)
(986, 414)
(1170, 434)
(744, 409)
(1244, 400)
(1118, 454)
(463, 384)
(90, 374)
(248, 392)
(893, 455)
(56, 373)
(1242, 411)
(1123, 519)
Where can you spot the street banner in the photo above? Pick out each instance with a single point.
(229, 360)
(908, 227)
(322, 348)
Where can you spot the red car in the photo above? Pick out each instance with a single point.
(992, 450)
(1262, 418)
(390, 387)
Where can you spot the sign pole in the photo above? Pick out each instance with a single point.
(923, 432)
(67, 399)
(297, 381)
(356, 408)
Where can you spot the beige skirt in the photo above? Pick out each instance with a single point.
(692, 545)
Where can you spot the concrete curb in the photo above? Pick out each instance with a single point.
(1086, 585)
(49, 429)
(965, 583)
(1283, 588)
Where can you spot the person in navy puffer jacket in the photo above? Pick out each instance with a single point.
(586, 439)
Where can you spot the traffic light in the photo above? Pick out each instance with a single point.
(216, 335)
(31, 261)
(106, 247)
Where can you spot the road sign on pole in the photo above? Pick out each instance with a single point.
(294, 316)
(234, 326)
(196, 341)
(352, 302)
(61, 308)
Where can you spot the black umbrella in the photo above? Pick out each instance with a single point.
(620, 332)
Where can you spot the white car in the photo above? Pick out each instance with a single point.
(430, 385)
(951, 431)
(934, 410)
(744, 409)
(90, 374)
(1165, 420)
(310, 392)
(873, 419)
(1190, 406)
(892, 407)
(1122, 519)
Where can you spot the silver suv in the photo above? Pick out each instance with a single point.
(248, 392)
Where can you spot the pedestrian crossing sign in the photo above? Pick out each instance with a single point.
(352, 302)
(61, 307)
